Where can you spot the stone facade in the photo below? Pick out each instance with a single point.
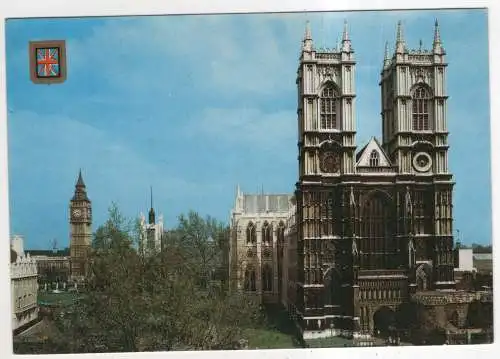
(368, 233)
(257, 238)
(80, 219)
(23, 286)
(52, 266)
(373, 226)
(151, 236)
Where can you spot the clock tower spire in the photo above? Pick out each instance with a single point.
(80, 220)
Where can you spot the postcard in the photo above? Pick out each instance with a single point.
(249, 181)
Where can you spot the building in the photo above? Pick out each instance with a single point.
(23, 286)
(368, 230)
(151, 236)
(464, 271)
(17, 244)
(464, 259)
(374, 226)
(256, 250)
(483, 262)
(53, 266)
(80, 220)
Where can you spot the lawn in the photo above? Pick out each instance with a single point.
(278, 333)
(63, 298)
(269, 339)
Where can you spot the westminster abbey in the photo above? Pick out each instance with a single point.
(367, 228)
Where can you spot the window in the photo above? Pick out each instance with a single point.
(267, 278)
(328, 110)
(421, 111)
(374, 158)
(250, 279)
(251, 234)
(377, 245)
(267, 234)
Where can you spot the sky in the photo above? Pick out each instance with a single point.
(195, 105)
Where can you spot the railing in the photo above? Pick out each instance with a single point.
(375, 169)
(327, 56)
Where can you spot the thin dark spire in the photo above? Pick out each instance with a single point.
(151, 192)
(151, 215)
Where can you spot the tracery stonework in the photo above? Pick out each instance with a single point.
(330, 162)
(358, 242)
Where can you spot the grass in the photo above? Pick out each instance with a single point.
(278, 333)
(63, 298)
(269, 339)
(333, 342)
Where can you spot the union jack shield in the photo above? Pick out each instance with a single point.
(47, 61)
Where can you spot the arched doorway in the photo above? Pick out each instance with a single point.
(384, 321)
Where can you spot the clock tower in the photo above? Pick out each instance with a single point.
(80, 219)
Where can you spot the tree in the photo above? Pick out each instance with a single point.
(164, 302)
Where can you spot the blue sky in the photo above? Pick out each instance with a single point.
(194, 105)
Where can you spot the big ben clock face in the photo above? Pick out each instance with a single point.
(77, 213)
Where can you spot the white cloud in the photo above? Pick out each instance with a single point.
(116, 170)
(248, 129)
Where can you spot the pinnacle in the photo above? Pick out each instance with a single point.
(345, 34)
(79, 182)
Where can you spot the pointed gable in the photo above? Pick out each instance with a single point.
(372, 155)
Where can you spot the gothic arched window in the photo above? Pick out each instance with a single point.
(421, 110)
(251, 234)
(267, 278)
(328, 108)
(267, 234)
(377, 244)
(374, 158)
(250, 279)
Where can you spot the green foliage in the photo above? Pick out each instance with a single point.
(169, 301)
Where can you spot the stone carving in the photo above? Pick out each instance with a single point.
(330, 162)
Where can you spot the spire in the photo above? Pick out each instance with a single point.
(387, 60)
(80, 190)
(79, 182)
(345, 34)
(308, 42)
(346, 43)
(151, 210)
(400, 41)
(307, 35)
(436, 44)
